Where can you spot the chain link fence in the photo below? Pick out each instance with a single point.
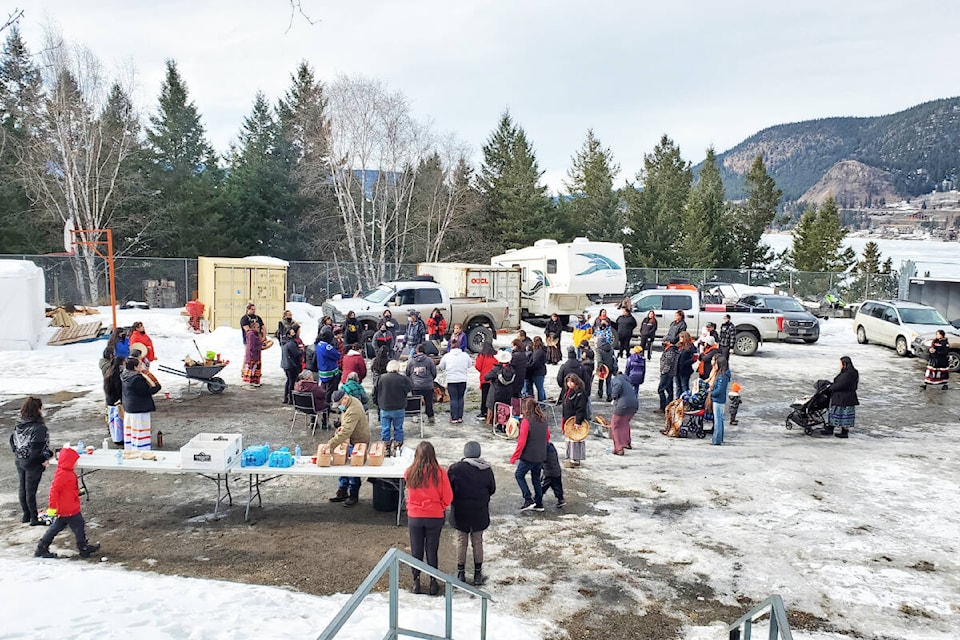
(314, 282)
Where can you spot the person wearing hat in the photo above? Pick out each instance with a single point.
(502, 378)
(473, 483)
(530, 453)
(416, 332)
(710, 351)
(422, 372)
(668, 372)
(354, 429)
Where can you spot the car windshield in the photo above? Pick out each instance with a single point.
(922, 316)
(379, 295)
(784, 304)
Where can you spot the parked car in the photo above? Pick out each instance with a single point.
(798, 323)
(921, 347)
(895, 323)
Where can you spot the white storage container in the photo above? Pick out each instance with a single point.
(211, 452)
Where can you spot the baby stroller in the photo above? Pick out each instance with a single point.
(685, 415)
(811, 412)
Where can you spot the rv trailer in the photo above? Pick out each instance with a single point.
(565, 278)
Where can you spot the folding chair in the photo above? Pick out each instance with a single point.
(304, 403)
(415, 407)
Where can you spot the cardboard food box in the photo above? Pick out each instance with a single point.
(359, 455)
(340, 454)
(211, 452)
(375, 454)
(324, 457)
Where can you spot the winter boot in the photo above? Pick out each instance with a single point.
(843, 434)
(461, 573)
(88, 550)
(434, 587)
(478, 577)
(416, 584)
(341, 495)
(826, 431)
(43, 552)
(352, 499)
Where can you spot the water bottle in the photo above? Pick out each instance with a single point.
(119, 456)
(296, 452)
(105, 444)
(80, 447)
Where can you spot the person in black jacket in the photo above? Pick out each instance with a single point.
(843, 400)
(248, 318)
(605, 349)
(626, 324)
(473, 483)
(678, 325)
(113, 394)
(291, 361)
(552, 332)
(139, 387)
(519, 360)
(686, 353)
(30, 443)
(502, 379)
(553, 475)
(351, 329)
(574, 398)
(536, 370)
(648, 333)
(570, 365)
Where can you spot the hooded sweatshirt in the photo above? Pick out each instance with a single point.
(137, 392)
(64, 490)
(473, 483)
(421, 371)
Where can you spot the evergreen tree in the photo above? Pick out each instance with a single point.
(753, 217)
(707, 240)
(21, 92)
(129, 221)
(260, 188)
(870, 261)
(593, 209)
(655, 214)
(305, 126)
(517, 209)
(818, 241)
(183, 174)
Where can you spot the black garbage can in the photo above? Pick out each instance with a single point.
(386, 495)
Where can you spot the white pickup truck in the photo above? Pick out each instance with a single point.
(479, 317)
(753, 325)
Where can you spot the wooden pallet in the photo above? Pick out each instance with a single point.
(79, 333)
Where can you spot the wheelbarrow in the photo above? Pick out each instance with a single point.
(203, 373)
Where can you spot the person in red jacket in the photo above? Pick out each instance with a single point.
(486, 361)
(436, 325)
(65, 505)
(353, 361)
(531, 452)
(428, 496)
(139, 336)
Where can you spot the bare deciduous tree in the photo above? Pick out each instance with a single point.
(72, 166)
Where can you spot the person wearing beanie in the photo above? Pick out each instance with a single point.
(354, 429)
(352, 387)
(570, 365)
(473, 483)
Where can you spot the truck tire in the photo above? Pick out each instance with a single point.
(953, 361)
(745, 343)
(477, 336)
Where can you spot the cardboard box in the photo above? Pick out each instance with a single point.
(375, 454)
(211, 452)
(324, 457)
(340, 454)
(359, 455)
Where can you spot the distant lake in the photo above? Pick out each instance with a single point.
(940, 259)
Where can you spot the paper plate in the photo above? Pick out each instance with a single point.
(574, 431)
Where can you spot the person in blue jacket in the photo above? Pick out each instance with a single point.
(718, 394)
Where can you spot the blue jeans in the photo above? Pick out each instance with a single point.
(457, 391)
(665, 390)
(719, 415)
(534, 469)
(683, 383)
(392, 419)
(538, 383)
(352, 485)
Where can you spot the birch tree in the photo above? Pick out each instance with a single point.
(73, 168)
(376, 149)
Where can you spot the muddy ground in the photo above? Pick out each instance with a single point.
(300, 540)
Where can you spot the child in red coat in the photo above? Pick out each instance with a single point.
(65, 504)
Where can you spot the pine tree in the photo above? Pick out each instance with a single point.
(655, 214)
(130, 222)
(517, 209)
(818, 240)
(260, 188)
(870, 260)
(753, 217)
(593, 209)
(806, 253)
(707, 236)
(21, 92)
(182, 171)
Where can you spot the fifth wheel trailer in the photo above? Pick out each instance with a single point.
(565, 278)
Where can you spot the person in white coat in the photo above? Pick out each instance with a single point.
(456, 363)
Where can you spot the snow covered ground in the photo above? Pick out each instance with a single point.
(862, 535)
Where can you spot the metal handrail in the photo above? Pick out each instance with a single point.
(391, 561)
(779, 626)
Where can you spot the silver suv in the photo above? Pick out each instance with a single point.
(895, 323)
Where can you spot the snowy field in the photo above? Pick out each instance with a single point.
(859, 535)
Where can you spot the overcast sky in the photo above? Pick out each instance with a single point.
(705, 72)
